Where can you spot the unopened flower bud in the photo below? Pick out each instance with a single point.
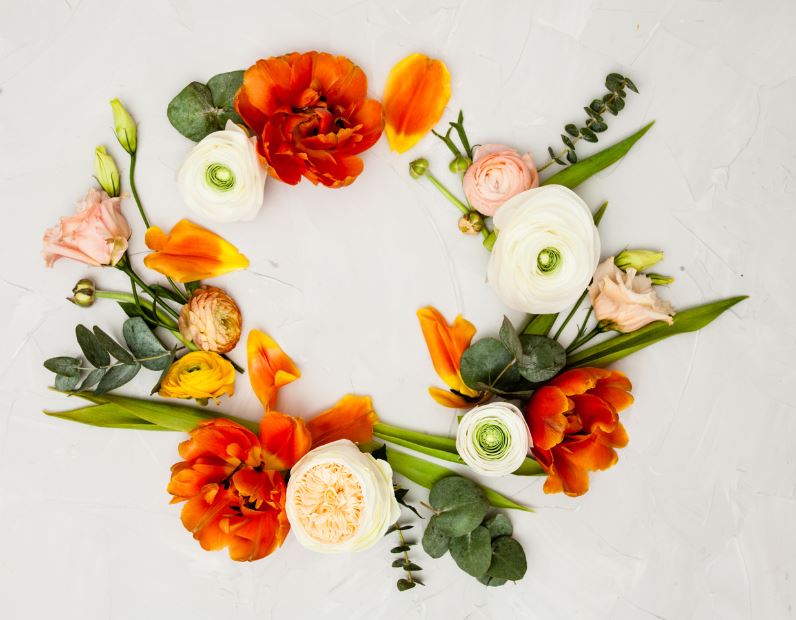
(660, 280)
(460, 164)
(637, 259)
(83, 293)
(211, 319)
(106, 172)
(472, 223)
(124, 126)
(418, 168)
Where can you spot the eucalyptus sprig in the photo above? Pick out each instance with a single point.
(410, 581)
(613, 102)
(99, 370)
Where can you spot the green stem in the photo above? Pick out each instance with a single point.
(580, 342)
(168, 322)
(446, 192)
(135, 190)
(571, 314)
(125, 266)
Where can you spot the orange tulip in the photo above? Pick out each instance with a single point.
(351, 418)
(417, 91)
(574, 423)
(269, 367)
(284, 439)
(190, 253)
(446, 344)
(231, 501)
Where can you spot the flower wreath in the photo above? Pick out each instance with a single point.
(534, 405)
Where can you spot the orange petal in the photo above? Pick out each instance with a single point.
(269, 367)
(190, 252)
(446, 345)
(351, 418)
(417, 91)
(618, 398)
(588, 453)
(566, 475)
(203, 516)
(284, 440)
(446, 398)
(545, 415)
(224, 440)
(577, 380)
(595, 414)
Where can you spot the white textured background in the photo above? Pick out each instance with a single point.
(696, 520)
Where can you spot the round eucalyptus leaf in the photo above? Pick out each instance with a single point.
(460, 504)
(62, 365)
(542, 358)
(508, 559)
(489, 362)
(499, 525)
(473, 552)
(144, 344)
(116, 377)
(435, 542)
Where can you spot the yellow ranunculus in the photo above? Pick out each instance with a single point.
(201, 375)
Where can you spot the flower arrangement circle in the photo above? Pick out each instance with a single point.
(311, 115)
(546, 251)
(493, 439)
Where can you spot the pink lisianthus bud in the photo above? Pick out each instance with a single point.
(96, 235)
(497, 173)
(626, 301)
(211, 319)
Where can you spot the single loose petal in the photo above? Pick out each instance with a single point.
(351, 418)
(269, 367)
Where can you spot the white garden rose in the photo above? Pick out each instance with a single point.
(340, 499)
(223, 177)
(546, 251)
(493, 439)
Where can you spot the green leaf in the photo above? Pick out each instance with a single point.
(191, 287)
(91, 347)
(167, 293)
(105, 416)
(492, 581)
(405, 584)
(92, 378)
(460, 504)
(499, 525)
(594, 114)
(144, 344)
(172, 355)
(67, 366)
(597, 105)
(572, 130)
(623, 345)
(598, 215)
(116, 377)
(400, 549)
(616, 105)
(489, 362)
(542, 358)
(614, 81)
(200, 109)
(113, 347)
(508, 559)
(567, 141)
(509, 338)
(598, 127)
(576, 174)
(435, 542)
(572, 157)
(629, 83)
(539, 324)
(426, 474)
(472, 552)
(397, 528)
(588, 135)
(132, 310)
(65, 383)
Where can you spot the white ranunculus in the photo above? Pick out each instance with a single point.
(546, 251)
(223, 177)
(340, 499)
(493, 439)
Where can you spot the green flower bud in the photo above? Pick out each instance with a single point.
(660, 280)
(472, 223)
(83, 293)
(106, 172)
(460, 164)
(637, 259)
(418, 168)
(124, 125)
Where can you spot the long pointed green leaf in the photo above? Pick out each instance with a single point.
(574, 175)
(425, 474)
(540, 324)
(623, 345)
(105, 416)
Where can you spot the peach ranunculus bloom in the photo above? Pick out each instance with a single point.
(497, 173)
(626, 300)
(96, 235)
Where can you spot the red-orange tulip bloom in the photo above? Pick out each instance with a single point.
(417, 91)
(284, 439)
(446, 344)
(231, 500)
(574, 422)
(311, 115)
(269, 367)
(190, 252)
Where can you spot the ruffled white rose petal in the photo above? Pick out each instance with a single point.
(546, 251)
(493, 439)
(223, 177)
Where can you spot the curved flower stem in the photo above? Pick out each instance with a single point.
(166, 321)
(135, 190)
(125, 266)
(579, 342)
(447, 193)
(571, 314)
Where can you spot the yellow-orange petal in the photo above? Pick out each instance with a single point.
(284, 440)
(417, 91)
(190, 252)
(446, 398)
(351, 418)
(446, 345)
(269, 367)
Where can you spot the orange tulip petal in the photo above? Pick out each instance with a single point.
(616, 438)
(221, 439)
(417, 91)
(446, 345)
(190, 252)
(446, 398)
(351, 418)
(577, 380)
(595, 414)
(618, 398)
(284, 440)
(270, 368)
(545, 416)
(566, 475)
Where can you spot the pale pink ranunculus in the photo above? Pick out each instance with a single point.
(497, 173)
(626, 301)
(96, 235)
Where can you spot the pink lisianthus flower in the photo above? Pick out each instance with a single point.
(626, 301)
(96, 235)
(497, 173)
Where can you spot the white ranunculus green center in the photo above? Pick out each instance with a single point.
(220, 177)
(493, 439)
(548, 260)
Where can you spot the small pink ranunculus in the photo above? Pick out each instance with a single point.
(497, 173)
(96, 235)
(626, 300)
